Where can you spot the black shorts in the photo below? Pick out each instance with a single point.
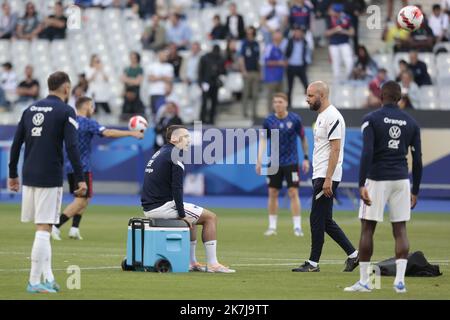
(291, 173)
(87, 179)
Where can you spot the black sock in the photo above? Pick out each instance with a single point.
(76, 220)
(62, 219)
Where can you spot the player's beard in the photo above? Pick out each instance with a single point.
(315, 106)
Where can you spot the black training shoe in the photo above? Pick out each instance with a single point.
(306, 267)
(351, 264)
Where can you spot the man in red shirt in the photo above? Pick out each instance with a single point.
(374, 100)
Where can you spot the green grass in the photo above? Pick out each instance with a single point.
(263, 264)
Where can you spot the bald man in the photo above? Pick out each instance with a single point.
(328, 155)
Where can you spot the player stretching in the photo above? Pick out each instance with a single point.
(162, 197)
(87, 129)
(383, 179)
(290, 126)
(44, 127)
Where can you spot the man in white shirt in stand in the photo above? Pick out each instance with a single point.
(160, 76)
(274, 17)
(438, 23)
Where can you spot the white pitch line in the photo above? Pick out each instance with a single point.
(324, 262)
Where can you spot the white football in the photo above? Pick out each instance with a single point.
(138, 123)
(410, 18)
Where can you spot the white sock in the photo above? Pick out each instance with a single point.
(48, 273)
(193, 257)
(401, 269)
(39, 256)
(297, 222)
(273, 221)
(314, 264)
(354, 254)
(364, 272)
(210, 248)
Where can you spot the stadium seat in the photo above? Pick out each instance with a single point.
(360, 96)
(5, 48)
(343, 95)
(429, 59)
(429, 98)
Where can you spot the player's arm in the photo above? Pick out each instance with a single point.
(177, 188)
(366, 160)
(71, 142)
(19, 137)
(305, 148)
(416, 150)
(114, 133)
(262, 145)
(335, 149)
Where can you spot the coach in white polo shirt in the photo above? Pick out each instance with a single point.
(328, 155)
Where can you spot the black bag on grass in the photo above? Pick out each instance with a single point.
(417, 266)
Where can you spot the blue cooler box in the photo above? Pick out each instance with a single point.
(158, 245)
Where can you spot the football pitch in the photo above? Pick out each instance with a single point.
(263, 264)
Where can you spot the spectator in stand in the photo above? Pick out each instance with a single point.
(154, 37)
(168, 116)
(438, 23)
(160, 76)
(422, 39)
(211, 67)
(235, 23)
(84, 3)
(98, 84)
(77, 92)
(365, 68)
(178, 32)
(405, 103)
(29, 26)
(274, 65)
(298, 56)
(147, 8)
(396, 38)
(190, 68)
(83, 82)
(55, 25)
(28, 89)
(374, 100)
(175, 60)
(410, 88)
(402, 67)
(321, 14)
(274, 17)
(339, 32)
(8, 21)
(354, 9)
(232, 57)
(8, 85)
(445, 5)
(300, 14)
(219, 31)
(249, 61)
(419, 69)
(132, 77)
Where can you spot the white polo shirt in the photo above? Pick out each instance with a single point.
(159, 69)
(330, 125)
